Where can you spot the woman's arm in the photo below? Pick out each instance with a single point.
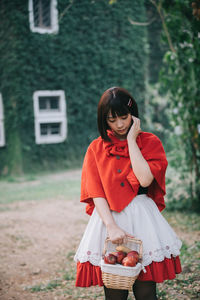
(115, 233)
(140, 166)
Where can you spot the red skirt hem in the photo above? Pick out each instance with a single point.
(89, 275)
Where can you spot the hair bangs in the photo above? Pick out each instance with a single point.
(118, 102)
(118, 108)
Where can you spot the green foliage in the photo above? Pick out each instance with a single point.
(185, 221)
(181, 80)
(51, 285)
(69, 276)
(157, 115)
(186, 284)
(96, 48)
(157, 47)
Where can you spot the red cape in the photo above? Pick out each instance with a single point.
(107, 172)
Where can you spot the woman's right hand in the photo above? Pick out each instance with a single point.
(116, 234)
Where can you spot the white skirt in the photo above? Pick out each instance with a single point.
(142, 219)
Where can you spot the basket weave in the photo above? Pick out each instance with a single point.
(126, 279)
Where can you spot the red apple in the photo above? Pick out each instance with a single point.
(134, 254)
(110, 259)
(129, 261)
(120, 256)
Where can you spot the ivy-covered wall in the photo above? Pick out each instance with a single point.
(96, 48)
(157, 47)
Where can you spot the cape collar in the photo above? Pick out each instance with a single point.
(118, 147)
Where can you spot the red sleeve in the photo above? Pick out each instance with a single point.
(91, 186)
(132, 179)
(154, 153)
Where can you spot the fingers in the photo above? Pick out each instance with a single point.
(135, 128)
(118, 241)
(136, 123)
(129, 235)
(117, 235)
(122, 240)
(125, 240)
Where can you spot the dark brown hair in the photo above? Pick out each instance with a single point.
(120, 102)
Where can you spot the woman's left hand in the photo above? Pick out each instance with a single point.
(134, 130)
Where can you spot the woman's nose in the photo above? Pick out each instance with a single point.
(119, 123)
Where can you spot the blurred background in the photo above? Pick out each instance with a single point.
(57, 58)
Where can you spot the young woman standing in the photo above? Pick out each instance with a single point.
(123, 184)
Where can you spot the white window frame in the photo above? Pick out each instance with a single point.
(45, 116)
(2, 131)
(53, 15)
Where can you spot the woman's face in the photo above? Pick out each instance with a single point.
(119, 124)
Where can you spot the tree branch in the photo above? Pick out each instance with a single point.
(65, 10)
(161, 14)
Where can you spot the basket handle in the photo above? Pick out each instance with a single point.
(129, 239)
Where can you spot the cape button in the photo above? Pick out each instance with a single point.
(122, 183)
(119, 171)
(117, 157)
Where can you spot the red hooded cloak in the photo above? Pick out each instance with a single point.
(107, 172)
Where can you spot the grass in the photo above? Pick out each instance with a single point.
(51, 285)
(184, 286)
(38, 188)
(183, 220)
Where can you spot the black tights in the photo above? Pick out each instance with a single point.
(142, 290)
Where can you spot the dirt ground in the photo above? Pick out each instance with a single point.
(35, 238)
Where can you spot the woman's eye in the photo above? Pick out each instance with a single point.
(124, 117)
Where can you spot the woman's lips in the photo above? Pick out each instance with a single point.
(121, 130)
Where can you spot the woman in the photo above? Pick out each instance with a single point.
(123, 184)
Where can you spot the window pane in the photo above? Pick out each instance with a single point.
(36, 12)
(54, 102)
(43, 102)
(42, 13)
(55, 128)
(44, 129)
(50, 128)
(51, 102)
(46, 13)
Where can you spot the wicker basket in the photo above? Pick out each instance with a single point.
(118, 276)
